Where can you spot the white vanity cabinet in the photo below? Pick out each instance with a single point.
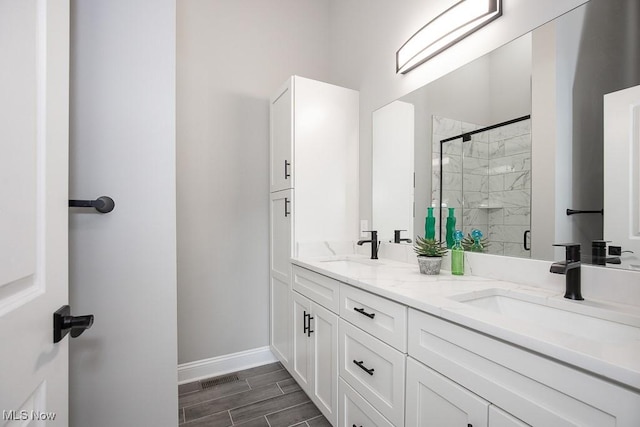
(315, 354)
(372, 347)
(315, 339)
(313, 184)
(435, 401)
(518, 387)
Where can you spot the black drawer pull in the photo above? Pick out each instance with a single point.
(309, 330)
(286, 169)
(356, 425)
(364, 368)
(304, 322)
(286, 207)
(361, 311)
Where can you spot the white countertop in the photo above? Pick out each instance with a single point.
(403, 283)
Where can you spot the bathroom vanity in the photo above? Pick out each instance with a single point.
(421, 350)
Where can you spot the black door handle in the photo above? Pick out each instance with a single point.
(64, 322)
(361, 311)
(103, 204)
(524, 240)
(361, 366)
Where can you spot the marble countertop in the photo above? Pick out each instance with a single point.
(578, 345)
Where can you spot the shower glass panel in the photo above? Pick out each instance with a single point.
(484, 172)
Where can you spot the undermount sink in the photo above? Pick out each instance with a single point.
(576, 318)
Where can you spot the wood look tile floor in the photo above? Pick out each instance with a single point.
(264, 396)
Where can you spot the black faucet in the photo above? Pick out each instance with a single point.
(570, 267)
(396, 237)
(374, 243)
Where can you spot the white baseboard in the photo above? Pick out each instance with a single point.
(216, 366)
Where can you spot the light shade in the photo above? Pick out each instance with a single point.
(454, 24)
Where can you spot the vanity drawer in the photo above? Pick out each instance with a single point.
(355, 411)
(382, 318)
(318, 288)
(374, 369)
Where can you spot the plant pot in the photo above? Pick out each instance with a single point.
(430, 265)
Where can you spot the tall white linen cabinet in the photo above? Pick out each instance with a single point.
(314, 205)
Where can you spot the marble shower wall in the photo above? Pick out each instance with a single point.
(487, 180)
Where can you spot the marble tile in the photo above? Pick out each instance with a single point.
(452, 181)
(477, 149)
(514, 198)
(516, 163)
(472, 182)
(495, 248)
(475, 217)
(517, 180)
(496, 149)
(510, 131)
(507, 233)
(517, 145)
(475, 166)
(452, 199)
(445, 126)
(475, 199)
(517, 216)
(495, 216)
(452, 147)
(496, 182)
(482, 136)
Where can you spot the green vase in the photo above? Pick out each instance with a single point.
(430, 225)
(451, 228)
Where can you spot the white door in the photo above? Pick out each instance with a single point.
(34, 87)
(324, 343)
(622, 174)
(301, 346)
(281, 115)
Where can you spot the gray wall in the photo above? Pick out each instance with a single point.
(123, 264)
(232, 56)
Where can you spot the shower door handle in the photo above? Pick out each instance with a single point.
(524, 240)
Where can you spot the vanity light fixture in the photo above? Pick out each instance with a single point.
(448, 28)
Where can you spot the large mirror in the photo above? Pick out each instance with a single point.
(515, 181)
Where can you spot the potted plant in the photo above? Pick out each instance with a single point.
(430, 253)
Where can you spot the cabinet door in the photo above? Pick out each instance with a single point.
(499, 418)
(281, 234)
(280, 277)
(324, 344)
(301, 359)
(435, 401)
(281, 117)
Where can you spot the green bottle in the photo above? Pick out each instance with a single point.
(430, 225)
(457, 254)
(451, 228)
(477, 246)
